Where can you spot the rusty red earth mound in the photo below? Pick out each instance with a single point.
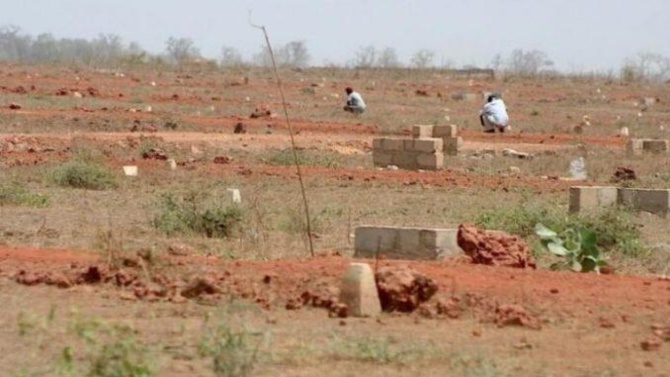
(494, 248)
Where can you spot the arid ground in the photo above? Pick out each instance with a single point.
(104, 280)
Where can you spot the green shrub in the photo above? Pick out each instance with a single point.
(190, 214)
(616, 230)
(123, 358)
(82, 174)
(519, 221)
(233, 353)
(105, 350)
(308, 158)
(13, 194)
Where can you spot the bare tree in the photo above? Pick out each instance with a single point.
(45, 49)
(388, 58)
(230, 57)
(13, 45)
(366, 57)
(646, 66)
(423, 58)
(293, 54)
(296, 54)
(497, 62)
(528, 63)
(181, 50)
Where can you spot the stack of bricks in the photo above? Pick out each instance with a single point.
(589, 199)
(425, 150)
(637, 147)
(451, 142)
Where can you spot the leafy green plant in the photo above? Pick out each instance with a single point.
(578, 247)
(82, 174)
(190, 213)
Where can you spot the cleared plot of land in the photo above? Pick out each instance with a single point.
(163, 269)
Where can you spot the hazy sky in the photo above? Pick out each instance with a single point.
(576, 34)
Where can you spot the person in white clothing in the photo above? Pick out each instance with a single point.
(355, 103)
(494, 115)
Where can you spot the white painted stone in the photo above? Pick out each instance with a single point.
(130, 171)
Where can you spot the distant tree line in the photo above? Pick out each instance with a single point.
(109, 50)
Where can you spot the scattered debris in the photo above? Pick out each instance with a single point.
(14, 106)
(262, 112)
(515, 315)
(240, 128)
(223, 160)
(653, 343)
(623, 174)
(154, 154)
(512, 153)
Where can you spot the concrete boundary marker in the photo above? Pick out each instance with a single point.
(405, 243)
(583, 198)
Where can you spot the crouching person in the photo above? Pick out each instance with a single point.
(494, 115)
(355, 103)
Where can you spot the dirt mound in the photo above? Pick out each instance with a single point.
(515, 315)
(403, 289)
(494, 248)
(623, 174)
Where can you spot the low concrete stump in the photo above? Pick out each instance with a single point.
(584, 198)
(405, 243)
(637, 147)
(646, 200)
(359, 291)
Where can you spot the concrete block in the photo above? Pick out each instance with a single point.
(377, 143)
(646, 200)
(405, 243)
(359, 291)
(427, 145)
(433, 161)
(634, 147)
(382, 158)
(404, 160)
(584, 198)
(394, 144)
(445, 131)
(422, 131)
(130, 171)
(452, 145)
(409, 144)
(655, 146)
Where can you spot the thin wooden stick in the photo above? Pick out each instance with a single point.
(290, 131)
